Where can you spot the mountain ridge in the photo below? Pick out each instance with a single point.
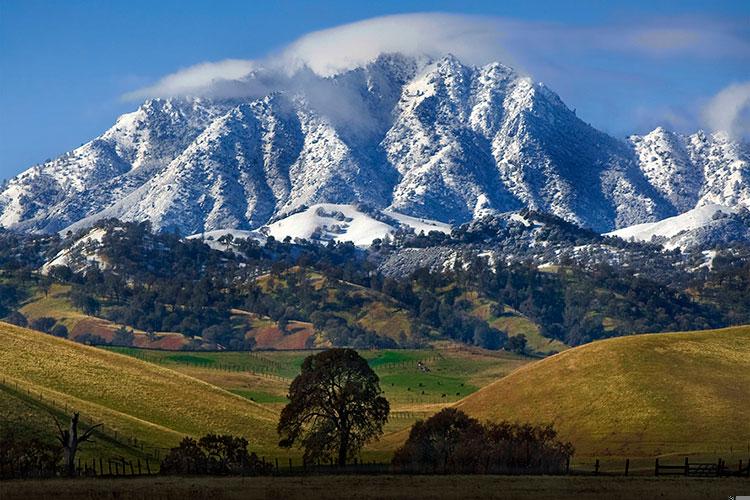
(430, 139)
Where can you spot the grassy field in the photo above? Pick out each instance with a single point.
(513, 322)
(454, 371)
(156, 405)
(264, 377)
(646, 395)
(371, 487)
(36, 419)
(56, 304)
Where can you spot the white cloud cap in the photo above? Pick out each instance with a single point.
(729, 111)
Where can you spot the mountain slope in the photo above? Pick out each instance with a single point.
(695, 170)
(155, 404)
(431, 139)
(706, 226)
(632, 396)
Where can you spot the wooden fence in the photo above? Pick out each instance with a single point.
(703, 469)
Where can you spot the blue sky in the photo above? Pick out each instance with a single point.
(626, 67)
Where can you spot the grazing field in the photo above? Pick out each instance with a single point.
(34, 419)
(156, 405)
(447, 374)
(366, 487)
(639, 396)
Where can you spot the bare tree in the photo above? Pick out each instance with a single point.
(70, 441)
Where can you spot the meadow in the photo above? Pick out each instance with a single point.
(139, 400)
(637, 397)
(380, 486)
(677, 394)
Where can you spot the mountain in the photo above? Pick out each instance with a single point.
(695, 170)
(437, 140)
(706, 226)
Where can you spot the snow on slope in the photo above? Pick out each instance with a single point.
(673, 226)
(81, 253)
(419, 225)
(328, 221)
(339, 222)
(435, 139)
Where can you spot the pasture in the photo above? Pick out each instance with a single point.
(380, 486)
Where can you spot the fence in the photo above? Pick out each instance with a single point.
(702, 469)
(108, 432)
(94, 467)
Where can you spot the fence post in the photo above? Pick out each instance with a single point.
(148, 467)
(139, 466)
(277, 465)
(718, 468)
(596, 467)
(101, 469)
(687, 466)
(627, 466)
(567, 466)
(656, 468)
(290, 464)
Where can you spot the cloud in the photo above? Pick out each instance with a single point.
(195, 79)
(472, 39)
(536, 48)
(729, 110)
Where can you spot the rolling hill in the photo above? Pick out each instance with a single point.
(155, 405)
(644, 395)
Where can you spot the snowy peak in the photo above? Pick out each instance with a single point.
(695, 170)
(431, 139)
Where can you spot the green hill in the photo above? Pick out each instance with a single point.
(153, 404)
(643, 395)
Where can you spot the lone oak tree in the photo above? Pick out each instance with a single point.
(336, 406)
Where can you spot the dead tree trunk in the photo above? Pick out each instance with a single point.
(70, 441)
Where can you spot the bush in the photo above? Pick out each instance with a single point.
(453, 442)
(16, 318)
(43, 324)
(214, 454)
(59, 331)
(26, 455)
(91, 339)
(123, 337)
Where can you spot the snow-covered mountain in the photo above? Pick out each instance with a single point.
(706, 226)
(428, 139)
(695, 170)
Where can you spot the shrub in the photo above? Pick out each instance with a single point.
(16, 318)
(43, 324)
(59, 330)
(213, 454)
(452, 442)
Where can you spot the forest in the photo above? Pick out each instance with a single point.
(159, 282)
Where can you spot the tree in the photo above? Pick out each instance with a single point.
(452, 442)
(213, 454)
(517, 343)
(59, 330)
(70, 441)
(16, 318)
(43, 324)
(123, 337)
(432, 443)
(336, 406)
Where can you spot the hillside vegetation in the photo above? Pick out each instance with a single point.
(154, 404)
(644, 395)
